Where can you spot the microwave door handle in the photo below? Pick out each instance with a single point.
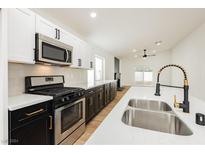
(59, 35)
(67, 55)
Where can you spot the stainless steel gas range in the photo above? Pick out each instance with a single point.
(68, 106)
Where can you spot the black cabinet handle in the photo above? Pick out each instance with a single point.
(91, 64)
(59, 35)
(31, 114)
(79, 62)
(56, 33)
(51, 122)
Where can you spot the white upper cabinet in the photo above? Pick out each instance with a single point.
(22, 26)
(68, 38)
(91, 57)
(82, 55)
(45, 27)
(88, 55)
(81, 51)
(21, 35)
(51, 30)
(83, 48)
(77, 55)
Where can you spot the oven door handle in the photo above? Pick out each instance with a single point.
(69, 105)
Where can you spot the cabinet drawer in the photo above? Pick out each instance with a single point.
(25, 115)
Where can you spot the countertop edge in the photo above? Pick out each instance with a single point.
(105, 133)
(88, 86)
(26, 100)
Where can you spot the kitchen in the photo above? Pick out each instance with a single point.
(65, 89)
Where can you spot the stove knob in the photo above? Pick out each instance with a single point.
(67, 98)
(63, 99)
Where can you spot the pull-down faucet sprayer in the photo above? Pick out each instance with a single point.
(185, 104)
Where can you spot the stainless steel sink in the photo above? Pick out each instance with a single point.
(157, 121)
(149, 105)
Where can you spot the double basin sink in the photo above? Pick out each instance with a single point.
(154, 115)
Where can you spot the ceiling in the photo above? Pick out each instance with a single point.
(120, 30)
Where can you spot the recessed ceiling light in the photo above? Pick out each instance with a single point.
(154, 51)
(135, 56)
(158, 43)
(134, 50)
(93, 14)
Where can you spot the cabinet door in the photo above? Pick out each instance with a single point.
(77, 55)
(67, 38)
(99, 101)
(82, 55)
(86, 55)
(90, 107)
(112, 90)
(21, 35)
(90, 57)
(71, 40)
(45, 27)
(115, 89)
(34, 133)
(82, 50)
(107, 93)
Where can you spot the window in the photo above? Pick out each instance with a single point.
(148, 76)
(144, 77)
(99, 68)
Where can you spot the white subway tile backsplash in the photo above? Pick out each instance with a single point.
(17, 73)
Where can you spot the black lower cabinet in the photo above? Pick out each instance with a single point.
(90, 105)
(113, 90)
(31, 125)
(107, 93)
(94, 102)
(34, 133)
(99, 99)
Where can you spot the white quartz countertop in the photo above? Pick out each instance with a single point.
(113, 131)
(25, 100)
(89, 85)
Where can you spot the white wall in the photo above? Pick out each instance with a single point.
(190, 53)
(129, 64)
(3, 80)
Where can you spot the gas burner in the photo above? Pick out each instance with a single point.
(55, 92)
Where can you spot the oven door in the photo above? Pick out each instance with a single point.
(68, 118)
(52, 51)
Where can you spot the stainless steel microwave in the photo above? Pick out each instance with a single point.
(51, 51)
